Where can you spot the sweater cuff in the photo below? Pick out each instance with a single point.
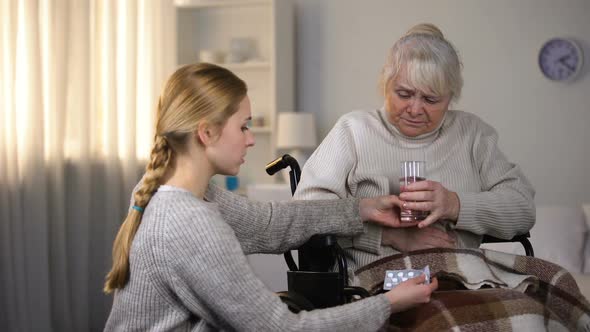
(467, 212)
(370, 240)
(356, 208)
(385, 302)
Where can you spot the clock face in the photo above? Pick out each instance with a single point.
(560, 59)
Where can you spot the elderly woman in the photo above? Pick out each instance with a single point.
(471, 189)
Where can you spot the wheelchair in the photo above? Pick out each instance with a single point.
(313, 284)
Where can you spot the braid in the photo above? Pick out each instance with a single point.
(194, 94)
(160, 158)
(155, 169)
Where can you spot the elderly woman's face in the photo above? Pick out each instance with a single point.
(411, 111)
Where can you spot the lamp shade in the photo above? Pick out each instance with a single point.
(296, 130)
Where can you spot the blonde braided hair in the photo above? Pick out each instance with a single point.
(193, 94)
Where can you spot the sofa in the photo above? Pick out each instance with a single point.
(561, 235)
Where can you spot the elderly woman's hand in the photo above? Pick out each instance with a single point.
(433, 197)
(382, 210)
(409, 239)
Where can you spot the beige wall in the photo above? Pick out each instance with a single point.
(543, 126)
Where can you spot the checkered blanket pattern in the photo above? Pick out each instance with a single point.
(485, 290)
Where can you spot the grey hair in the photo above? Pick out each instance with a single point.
(430, 62)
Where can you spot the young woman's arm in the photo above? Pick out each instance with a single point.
(275, 227)
(207, 269)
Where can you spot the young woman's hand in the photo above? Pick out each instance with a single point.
(411, 293)
(433, 197)
(383, 210)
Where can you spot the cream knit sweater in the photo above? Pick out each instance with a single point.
(361, 155)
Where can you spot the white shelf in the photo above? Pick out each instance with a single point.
(213, 25)
(269, 192)
(250, 65)
(261, 130)
(218, 3)
(246, 65)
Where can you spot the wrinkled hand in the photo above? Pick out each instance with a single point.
(383, 210)
(410, 239)
(411, 293)
(431, 196)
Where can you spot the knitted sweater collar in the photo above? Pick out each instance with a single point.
(174, 189)
(426, 138)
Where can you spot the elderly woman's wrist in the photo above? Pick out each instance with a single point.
(363, 209)
(455, 207)
(393, 237)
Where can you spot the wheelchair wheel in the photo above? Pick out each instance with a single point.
(295, 302)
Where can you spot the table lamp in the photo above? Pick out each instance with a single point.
(296, 135)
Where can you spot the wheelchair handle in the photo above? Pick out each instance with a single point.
(321, 241)
(284, 162)
(294, 176)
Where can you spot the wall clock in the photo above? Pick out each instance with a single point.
(561, 59)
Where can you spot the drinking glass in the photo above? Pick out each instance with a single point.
(412, 171)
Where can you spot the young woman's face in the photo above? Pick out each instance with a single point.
(228, 152)
(411, 111)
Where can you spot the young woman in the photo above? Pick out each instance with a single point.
(179, 258)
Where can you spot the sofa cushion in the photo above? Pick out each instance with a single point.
(583, 281)
(559, 236)
(586, 208)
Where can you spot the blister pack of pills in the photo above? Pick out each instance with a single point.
(395, 277)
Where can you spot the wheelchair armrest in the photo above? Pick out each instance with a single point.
(522, 238)
(350, 291)
(517, 238)
(321, 241)
(295, 301)
(317, 254)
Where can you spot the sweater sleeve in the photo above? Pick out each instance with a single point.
(505, 206)
(275, 227)
(210, 274)
(325, 176)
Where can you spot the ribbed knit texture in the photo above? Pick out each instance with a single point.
(361, 155)
(189, 271)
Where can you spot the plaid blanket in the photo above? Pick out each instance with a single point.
(485, 290)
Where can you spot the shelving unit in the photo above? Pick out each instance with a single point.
(218, 3)
(211, 25)
(251, 65)
(262, 130)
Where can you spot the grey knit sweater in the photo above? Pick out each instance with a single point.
(189, 270)
(361, 155)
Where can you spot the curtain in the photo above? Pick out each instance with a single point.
(79, 81)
